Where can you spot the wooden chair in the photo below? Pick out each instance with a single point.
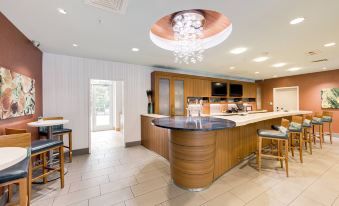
(317, 122)
(281, 136)
(18, 170)
(327, 118)
(59, 131)
(40, 149)
(296, 133)
(307, 131)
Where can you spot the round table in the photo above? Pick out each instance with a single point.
(10, 156)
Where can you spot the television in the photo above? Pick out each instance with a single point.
(219, 89)
(236, 90)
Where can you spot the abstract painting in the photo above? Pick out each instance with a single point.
(17, 94)
(330, 98)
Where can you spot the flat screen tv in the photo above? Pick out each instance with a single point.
(235, 90)
(219, 89)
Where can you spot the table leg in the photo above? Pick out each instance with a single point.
(50, 136)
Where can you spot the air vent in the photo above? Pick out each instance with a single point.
(320, 60)
(116, 6)
(311, 53)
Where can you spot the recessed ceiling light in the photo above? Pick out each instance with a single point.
(293, 69)
(274, 76)
(62, 11)
(324, 68)
(135, 49)
(238, 50)
(330, 44)
(256, 72)
(75, 45)
(260, 59)
(281, 64)
(232, 67)
(297, 20)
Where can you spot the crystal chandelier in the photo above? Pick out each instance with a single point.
(188, 32)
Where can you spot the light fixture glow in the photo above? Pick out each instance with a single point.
(293, 69)
(281, 64)
(238, 50)
(256, 72)
(297, 20)
(330, 44)
(75, 45)
(135, 49)
(324, 68)
(274, 76)
(260, 59)
(62, 11)
(232, 67)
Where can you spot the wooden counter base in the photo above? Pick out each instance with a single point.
(192, 156)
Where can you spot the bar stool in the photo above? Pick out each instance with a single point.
(281, 136)
(307, 131)
(327, 117)
(317, 122)
(296, 133)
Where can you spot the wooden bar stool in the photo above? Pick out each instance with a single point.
(296, 133)
(317, 122)
(281, 136)
(307, 131)
(327, 118)
(18, 173)
(59, 131)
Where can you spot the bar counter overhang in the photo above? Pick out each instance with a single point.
(201, 149)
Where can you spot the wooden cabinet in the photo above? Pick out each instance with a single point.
(249, 90)
(199, 88)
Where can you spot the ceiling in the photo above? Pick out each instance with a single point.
(261, 26)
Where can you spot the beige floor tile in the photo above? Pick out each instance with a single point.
(265, 200)
(88, 183)
(111, 198)
(186, 199)
(265, 181)
(76, 197)
(235, 180)
(151, 174)
(172, 191)
(98, 173)
(42, 202)
(304, 201)
(320, 194)
(82, 203)
(336, 202)
(285, 192)
(226, 199)
(117, 185)
(148, 199)
(217, 188)
(247, 191)
(148, 186)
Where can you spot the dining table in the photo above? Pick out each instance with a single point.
(10, 156)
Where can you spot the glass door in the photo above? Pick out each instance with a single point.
(179, 97)
(102, 117)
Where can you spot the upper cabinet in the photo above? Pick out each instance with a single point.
(198, 87)
(249, 90)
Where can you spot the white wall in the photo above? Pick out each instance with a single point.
(66, 92)
(118, 104)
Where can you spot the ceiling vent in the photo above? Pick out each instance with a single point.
(116, 6)
(320, 60)
(311, 53)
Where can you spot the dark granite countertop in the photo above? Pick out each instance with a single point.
(193, 123)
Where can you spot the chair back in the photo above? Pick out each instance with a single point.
(297, 119)
(318, 114)
(285, 123)
(16, 140)
(327, 113)
(14, 131)
(308, 116)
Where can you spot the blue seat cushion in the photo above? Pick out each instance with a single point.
(326, 119)
(295, 127)
(43, 145)
(15, 172)
(56, 131)
(317, 121)
(307, 123)
(272, 134)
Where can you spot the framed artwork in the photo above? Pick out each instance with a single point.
(17, 94)
(330, 98)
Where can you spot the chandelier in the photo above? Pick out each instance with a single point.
(188, 29)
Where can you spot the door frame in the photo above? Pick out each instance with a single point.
(284, 88)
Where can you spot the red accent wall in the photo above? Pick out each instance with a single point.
(18, 54)
(310, 86)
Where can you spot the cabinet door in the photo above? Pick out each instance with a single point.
(164, 96)
(179, 97)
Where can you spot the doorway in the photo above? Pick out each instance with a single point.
(286, 98)
(106, 114)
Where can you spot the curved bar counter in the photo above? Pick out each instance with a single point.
(192, 148)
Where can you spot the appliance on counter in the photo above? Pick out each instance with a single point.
(219, 89)
(236, 90)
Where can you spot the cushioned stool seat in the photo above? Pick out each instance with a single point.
(17, 171)
(56, 131)
(43, 145)
(326, 119)
(272, 134)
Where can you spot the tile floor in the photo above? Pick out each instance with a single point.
(114, 175)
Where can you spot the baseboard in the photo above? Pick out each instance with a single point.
(80, 151)
(132, 144)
